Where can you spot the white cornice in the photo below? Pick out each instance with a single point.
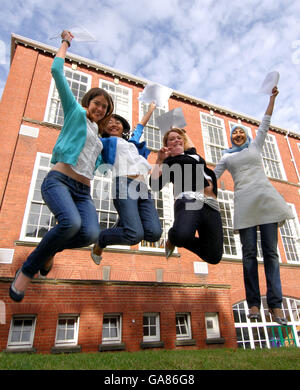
(18, 39)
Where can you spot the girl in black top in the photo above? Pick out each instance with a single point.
(195, 191)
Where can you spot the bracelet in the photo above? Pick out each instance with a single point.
(65, 40)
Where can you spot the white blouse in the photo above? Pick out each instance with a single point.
(128, 160)
(86, 162)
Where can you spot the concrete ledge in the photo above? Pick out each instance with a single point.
(66, 349)
(152, 344)
(112, 347)
(181, 343)
(219, 340)
(20, 350)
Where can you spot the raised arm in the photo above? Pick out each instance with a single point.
(136, 135)
(66, 37)
(269, 110)
(147, 116)
(265, 123)
(57, 69)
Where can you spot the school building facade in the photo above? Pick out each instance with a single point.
(135, 299)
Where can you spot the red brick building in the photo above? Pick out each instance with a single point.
(136, 298)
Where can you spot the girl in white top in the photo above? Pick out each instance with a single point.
(138, 217)
(256, 203)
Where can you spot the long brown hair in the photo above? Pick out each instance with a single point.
(91, 94)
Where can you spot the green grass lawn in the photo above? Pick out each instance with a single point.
(218, 359)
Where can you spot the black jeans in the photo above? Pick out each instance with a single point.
(204, 220)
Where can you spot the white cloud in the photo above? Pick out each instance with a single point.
(218, 51)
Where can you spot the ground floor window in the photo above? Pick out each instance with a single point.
(111, 330)
(151, 327)
(183, 326)
(266, 333)
(67, 330)
(21, 332)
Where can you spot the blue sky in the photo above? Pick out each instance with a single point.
(215, 50)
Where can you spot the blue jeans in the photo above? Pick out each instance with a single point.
(77, 221)
(269, 238)
(139, 219)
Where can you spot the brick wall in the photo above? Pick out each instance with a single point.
(24, 101)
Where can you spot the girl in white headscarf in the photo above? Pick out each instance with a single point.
(256, 203)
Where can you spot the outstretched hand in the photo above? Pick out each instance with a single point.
(67, 35)
(275, 92)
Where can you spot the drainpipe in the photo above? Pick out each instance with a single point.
(292, 159)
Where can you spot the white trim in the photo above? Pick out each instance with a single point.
(212, 325)
(168, 218)
(128, 116)
(52, 86)
(74, 340)
(187, 320)
(236, 237)
(295, 227)
(273, 141)
(251, 327)
(205, 135)
(30, 196)
(155, 337)
(21, 344)
(118, 338)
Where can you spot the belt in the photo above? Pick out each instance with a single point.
(135, 177)
(212, 202)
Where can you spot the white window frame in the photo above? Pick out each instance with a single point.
(74, 340)
(295, 227)
(108, 179)
(205, 135)
(37, 167)
(52, 87)
(291, 308)
(128, 114)
(187, 324)
(156, 337)
(222, 194)
(212, 319)
(270, 138)
(162, 110)
(117, 339)
(167, 221)
(21, 344)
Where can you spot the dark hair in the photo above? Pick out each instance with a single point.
(90, 95)
(125, 124)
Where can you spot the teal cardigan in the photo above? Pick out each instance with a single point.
(73, 134)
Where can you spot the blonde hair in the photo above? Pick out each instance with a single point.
(179, 131)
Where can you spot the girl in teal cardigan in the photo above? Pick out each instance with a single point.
(77, 153)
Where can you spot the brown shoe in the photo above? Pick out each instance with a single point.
(96, 254)
(254, 313)
(169, 249)
(47, 267)
(278, 316)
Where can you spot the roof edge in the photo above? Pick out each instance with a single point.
(15, 39)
